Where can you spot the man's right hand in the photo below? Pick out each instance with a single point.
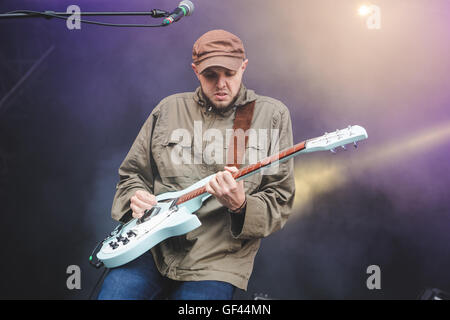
(141, 201)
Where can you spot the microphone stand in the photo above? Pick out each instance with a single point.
(155, 13)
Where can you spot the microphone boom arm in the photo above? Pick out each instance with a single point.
(155, 13)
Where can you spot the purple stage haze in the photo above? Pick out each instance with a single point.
(66, 129)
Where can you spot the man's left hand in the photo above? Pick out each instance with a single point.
(229, 192)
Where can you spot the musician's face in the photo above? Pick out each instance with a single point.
(221, 85)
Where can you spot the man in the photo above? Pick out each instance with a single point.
(212, 260)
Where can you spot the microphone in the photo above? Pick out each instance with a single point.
(185, 8)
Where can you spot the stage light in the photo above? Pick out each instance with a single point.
(315, 178)
(364, 10)
(312, 179)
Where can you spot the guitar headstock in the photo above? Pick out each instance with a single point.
(338, 138)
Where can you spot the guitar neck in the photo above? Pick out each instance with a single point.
(251, 169)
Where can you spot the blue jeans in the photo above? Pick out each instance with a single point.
(141, 280)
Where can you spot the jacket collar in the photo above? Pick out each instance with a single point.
(244, 96)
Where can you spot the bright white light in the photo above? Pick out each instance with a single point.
(364, 10)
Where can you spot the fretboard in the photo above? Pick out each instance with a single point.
(249, 170)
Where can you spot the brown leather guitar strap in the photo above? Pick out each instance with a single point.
(242, 123)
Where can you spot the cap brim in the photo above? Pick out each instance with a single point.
(231, 63)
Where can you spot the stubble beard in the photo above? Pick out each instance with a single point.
(222, 108)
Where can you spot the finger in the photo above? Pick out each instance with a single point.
(219, 178)
(140, 204)
(225, 184)
(229, 179)
(215, 186)
(209, 189)
(137, 212)
(146, 197)
(135, 215)
(231, 169)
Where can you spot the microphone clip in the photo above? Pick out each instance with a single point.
(157, 13)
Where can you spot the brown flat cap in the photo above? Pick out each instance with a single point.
(218, 48)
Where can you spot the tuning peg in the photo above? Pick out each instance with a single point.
(333, 150)
(355, 144)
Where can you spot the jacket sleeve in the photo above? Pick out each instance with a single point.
(268, 209)
(136, 171)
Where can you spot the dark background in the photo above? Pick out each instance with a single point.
(72, 102)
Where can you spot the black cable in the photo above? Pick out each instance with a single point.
(97, 264)
(51, 15)
(102, 276)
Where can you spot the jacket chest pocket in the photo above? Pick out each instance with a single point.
(173, 158)
(254, 152)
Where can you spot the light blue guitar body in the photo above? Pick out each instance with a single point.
(130, 240)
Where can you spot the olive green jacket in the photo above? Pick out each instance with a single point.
(223, 248)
